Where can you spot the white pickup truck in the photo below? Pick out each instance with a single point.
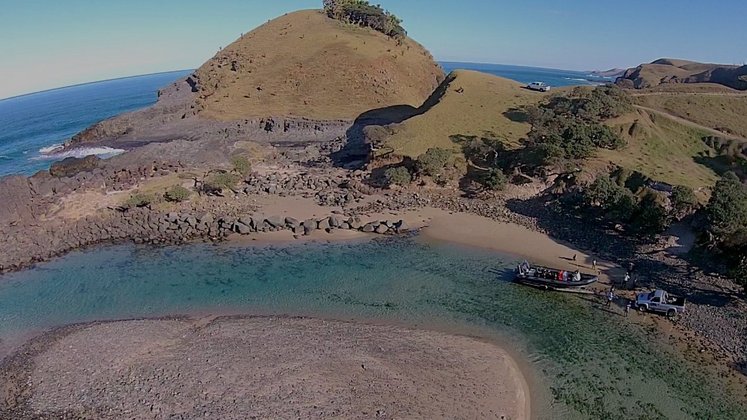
(540, 86)
(660, 301)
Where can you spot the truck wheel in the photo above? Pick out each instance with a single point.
(642, 308)
(671, 313)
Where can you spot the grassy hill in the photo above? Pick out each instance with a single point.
(722, 112)
(472, 104)
(661, 149)
(306, 64)
(467, 103)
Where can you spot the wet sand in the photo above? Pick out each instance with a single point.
(241, 367)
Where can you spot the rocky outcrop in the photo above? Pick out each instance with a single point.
(72, 165)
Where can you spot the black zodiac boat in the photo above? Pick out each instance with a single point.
(552, 277)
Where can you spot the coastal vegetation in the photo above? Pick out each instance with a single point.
(177, 194)
(139, 199)
(361, 12)
(726, 227)
(397, 175)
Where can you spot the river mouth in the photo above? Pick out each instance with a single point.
(584, 362)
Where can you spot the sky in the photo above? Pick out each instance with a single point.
(52, 43)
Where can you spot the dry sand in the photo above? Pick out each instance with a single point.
(238, 368)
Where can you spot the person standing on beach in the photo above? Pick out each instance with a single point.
(594, 265)
(627, 307)
(610, 297)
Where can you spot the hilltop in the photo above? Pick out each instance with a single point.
(303, 77)
(305, 64)
(671, 71)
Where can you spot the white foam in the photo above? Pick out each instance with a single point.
(102, 151)
(50, 149)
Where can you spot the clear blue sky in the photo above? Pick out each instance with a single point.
(52, 43)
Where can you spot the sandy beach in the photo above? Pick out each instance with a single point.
(236, 368)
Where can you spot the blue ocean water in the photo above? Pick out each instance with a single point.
(35, 123)
(31, 125)
(523, 74)
(590, 362)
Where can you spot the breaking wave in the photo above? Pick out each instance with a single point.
(54, 152)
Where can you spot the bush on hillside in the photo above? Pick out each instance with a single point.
(241, 165)
(139, 199)
(397, 176)
(433, 161)
(216, 182)
(684, 202)
(494, 180)
(362, 13)
(177, 194)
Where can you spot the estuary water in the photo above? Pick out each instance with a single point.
(587, 362)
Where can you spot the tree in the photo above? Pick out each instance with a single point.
(652, 217)
(616, 201)
(727, 208)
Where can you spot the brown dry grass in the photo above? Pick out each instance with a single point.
(472, 104)
(305, 64)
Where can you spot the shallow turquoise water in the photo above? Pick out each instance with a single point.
(590, 363)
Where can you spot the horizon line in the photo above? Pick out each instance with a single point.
(182, 70)
(92, 82)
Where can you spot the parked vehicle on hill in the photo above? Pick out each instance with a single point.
(539, 86)
(660, 301)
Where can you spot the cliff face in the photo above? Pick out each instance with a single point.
(664, 71)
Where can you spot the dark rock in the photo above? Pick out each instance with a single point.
(71, 166)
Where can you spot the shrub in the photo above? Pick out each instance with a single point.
(139, 199)
(494, 180)
(684, 201)
(433, 161)
(397, 176)
(241, 165)
(177, 194)
(219, 181)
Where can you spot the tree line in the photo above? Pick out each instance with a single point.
(362, 13)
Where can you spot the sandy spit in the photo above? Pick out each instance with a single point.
(260, 367)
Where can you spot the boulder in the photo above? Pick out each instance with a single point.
(401, 226)
(243, 229)
(382, 229)
(335, 221)
(369, 228)
(276, 222)
(248, 221)
(292, 223)
(325, 224)
(206, 218)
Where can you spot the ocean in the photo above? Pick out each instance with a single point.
(33, 126)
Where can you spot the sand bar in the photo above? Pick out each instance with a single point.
(236, 368)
